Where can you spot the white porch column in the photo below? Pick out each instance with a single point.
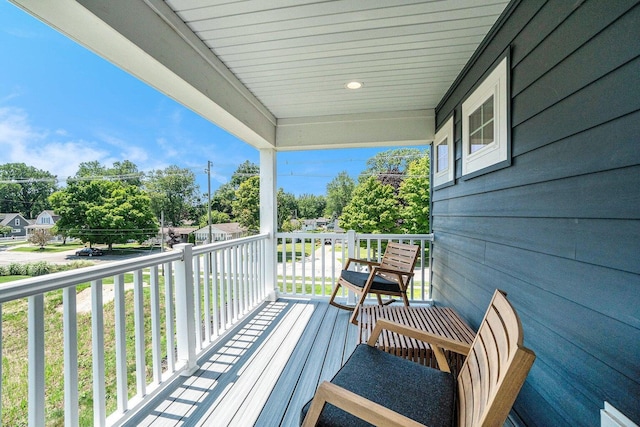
(269, 217)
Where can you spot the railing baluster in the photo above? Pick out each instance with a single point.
(70, 333)
(230, 296)
(236, 291)
(121, 343)
(214, 286)
(207, 297)
(223, 291)
(168, 303)
(36, 360)
(97, 349)
(197, 283)
(156, 344)
(138, 319)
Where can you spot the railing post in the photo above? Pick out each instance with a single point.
(185, 306)
(352, 252)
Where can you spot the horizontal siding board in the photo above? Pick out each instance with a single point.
(470, 248)
(608, 145)
(528, 408)
(611, 194)
(618, 292)
(588, 19)
(599, 242)
(533, 234)
(583, 109)
(580, 68)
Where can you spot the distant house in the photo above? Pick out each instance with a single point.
(17, 222)
(175, 235)
(45, 221)
(220, 232)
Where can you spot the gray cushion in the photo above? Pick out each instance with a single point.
(416, 391)
(379, 283)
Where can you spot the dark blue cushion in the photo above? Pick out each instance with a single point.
(379, 283)
(416, 391)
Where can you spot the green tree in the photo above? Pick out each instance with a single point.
(5, 230)
(372, 209)
(125, 171)
(339, 192)
(311, 206)
(224, 196)
(217, 217)
(29, 194)
(246, 206)
(106, 212)
(174, 191)
(414, 192)
(394, 161)
(287, 207)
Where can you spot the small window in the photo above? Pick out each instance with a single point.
(485, 125)
(17, 221)
(444, 155)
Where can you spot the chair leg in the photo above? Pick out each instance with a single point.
(356, 311)
(336, 304)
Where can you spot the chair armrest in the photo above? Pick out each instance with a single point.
(360, 261)
(437, 342)
(356, 405)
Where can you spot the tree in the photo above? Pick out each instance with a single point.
(287, 207)
(40, 238)
(29, 194)
(396, 160)
(414, 192)
(372, 209)
(224, 196)
(246, 206)
(311, 206)
(217, 217)
(5, 229)
(107, 212)
(125, 171)
(339, 192)
(173, 191)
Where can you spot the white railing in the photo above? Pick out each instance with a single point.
(181, 302)
(309, 264)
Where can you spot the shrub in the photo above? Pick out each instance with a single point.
(16, 269)
(38, 268)
(4, 271)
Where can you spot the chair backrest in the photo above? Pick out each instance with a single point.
(401, 257)
(495, 369)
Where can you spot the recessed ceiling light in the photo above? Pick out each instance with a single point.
(354, 85)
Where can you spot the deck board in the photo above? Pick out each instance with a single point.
(262, 373)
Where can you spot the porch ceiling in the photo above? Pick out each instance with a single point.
(274, 72)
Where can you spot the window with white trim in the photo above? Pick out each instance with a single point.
(443, 154)
(16, 221)
(485, 124)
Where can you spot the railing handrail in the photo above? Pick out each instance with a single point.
(41, 284)
(427, 237)
(209, 247)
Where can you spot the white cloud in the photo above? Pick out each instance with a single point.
(20, 142)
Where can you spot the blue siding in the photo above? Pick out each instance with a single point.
(559, 229)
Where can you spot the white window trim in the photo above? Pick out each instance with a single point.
(498, 152)
(446, 176)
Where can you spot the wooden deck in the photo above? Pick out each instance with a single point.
(263, 373)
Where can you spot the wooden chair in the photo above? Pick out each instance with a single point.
(390, 277)
(382, 389)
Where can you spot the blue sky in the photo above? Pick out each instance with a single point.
(60, 105)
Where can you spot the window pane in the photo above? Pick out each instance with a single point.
(442, 156)
(487, 133)
(475, 142)
(475, 120)
(487, 110)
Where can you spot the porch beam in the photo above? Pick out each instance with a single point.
(398, 128)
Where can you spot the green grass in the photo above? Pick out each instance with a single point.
(7, 279)
(51, 248)
(416, 291)
(14, 360)
(13, 242)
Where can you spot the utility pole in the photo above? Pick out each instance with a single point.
(209, 197)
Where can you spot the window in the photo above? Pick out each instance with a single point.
(16, 221)
(485, 124)
(444, 155)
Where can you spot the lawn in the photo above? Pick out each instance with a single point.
(14, 360)
(50, 248)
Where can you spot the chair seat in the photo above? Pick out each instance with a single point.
(359, 279)
(394, 383)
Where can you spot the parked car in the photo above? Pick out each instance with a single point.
(89, 252)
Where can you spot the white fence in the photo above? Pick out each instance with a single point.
(182, 302)
(309, 264)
